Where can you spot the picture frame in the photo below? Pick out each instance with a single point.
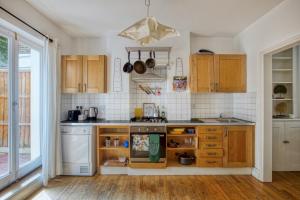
(148, 109)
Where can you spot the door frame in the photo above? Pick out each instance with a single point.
(264, 119)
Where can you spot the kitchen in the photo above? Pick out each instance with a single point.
(190, 104)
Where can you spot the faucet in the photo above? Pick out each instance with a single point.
(221, 115)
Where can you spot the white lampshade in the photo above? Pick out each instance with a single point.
(148, 30)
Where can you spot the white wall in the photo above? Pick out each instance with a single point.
(277, 26)
(27, 13)
(216, 44)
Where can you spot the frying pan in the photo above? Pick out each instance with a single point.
(128, 67)
(150, 62)
(139, 65)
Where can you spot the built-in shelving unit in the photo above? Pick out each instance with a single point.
(109, 155)
(187, 143)
(282, 76)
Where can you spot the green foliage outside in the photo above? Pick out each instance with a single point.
(3, 51)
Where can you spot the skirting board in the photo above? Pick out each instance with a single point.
(176, 171)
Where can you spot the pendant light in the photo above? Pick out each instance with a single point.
(148, 30)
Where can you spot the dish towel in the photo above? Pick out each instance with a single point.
(154, 147)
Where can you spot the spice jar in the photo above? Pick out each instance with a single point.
(116, 142)
(107, 142)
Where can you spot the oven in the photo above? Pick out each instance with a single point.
(139, 143)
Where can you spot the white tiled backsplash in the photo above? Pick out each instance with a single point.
(244, 106)
(178, 105)
(212, 105)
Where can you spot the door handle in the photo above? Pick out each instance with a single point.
(79, 89)
(85, 87)
(226, 132)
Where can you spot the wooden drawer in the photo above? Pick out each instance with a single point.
(210, 162)
(211, 137)
(214, 153)
(210, 129)
(210, 145)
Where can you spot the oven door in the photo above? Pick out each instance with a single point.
(139, 147)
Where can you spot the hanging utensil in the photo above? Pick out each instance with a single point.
(150, 62)
(117, 76)
(139, 65)
(179, 81)
(128, 67)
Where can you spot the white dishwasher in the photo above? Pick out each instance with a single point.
(78, 150)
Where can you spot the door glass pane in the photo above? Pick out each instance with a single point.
(4, 150)
(29, 118)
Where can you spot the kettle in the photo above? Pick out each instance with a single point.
(93, 112)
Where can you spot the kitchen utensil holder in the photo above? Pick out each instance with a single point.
(117, 76)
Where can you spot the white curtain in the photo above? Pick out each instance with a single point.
(51, 140)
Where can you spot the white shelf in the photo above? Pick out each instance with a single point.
(282, 99)
(282, 82)
(282, 70)
(282, 57)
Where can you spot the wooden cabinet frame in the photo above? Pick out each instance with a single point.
(84, 74)
(218, 73)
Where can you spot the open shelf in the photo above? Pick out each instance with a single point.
(114, 148)
(182, 135)
(181, 148)
(282, 57)
(113, 134)
(175, 163)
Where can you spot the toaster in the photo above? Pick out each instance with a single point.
(73, 115)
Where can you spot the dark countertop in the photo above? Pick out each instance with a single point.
(171, 122)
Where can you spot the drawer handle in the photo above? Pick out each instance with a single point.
(211, 162)
(286, 142)
(212, 154)
(211, 145)
(211, 129)
(211, 137)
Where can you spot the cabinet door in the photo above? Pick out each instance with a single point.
(238, 146)
(94, 74)
(292, 146)
(71, 74)
(202, 73)
(230, 73)
(278, 147)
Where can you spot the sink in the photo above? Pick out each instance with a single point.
(228, 120)
(215, 120)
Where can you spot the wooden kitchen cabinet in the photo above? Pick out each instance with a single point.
(230, 73)
(71, 73)
(238, 146)
(217, 73)
(202, 73)
(84, 74)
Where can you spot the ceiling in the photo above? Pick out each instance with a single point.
(94, 18)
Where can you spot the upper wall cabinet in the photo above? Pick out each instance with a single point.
(84, 74)
(218, 73)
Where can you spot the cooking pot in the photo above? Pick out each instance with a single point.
(128, 67)
(150, 62)
(139, 65)
(185, 159)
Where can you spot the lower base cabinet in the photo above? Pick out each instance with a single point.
(225, 146)
(286, 146)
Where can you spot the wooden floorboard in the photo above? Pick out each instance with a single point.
(285, 186)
